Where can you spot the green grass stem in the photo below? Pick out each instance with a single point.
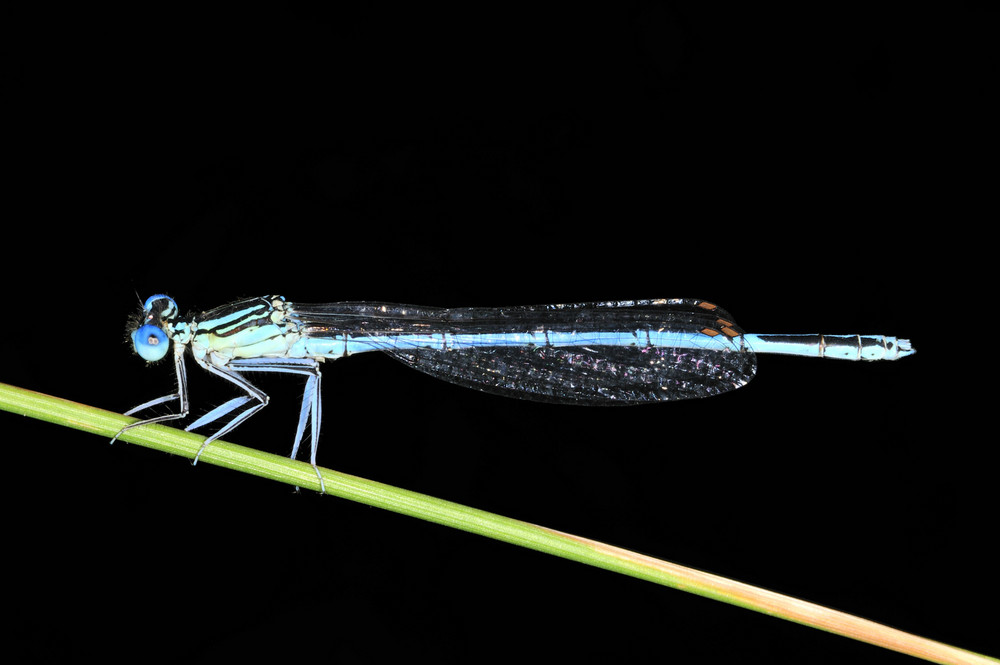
(247, 460)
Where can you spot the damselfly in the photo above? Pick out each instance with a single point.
(598, 353)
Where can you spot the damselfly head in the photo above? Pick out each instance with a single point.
(148, 337)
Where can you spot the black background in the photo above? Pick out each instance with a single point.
(809, 171)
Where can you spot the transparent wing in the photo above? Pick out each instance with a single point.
(601, 375)
(595, 372)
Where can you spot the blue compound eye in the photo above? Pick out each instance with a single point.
(150, 343)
